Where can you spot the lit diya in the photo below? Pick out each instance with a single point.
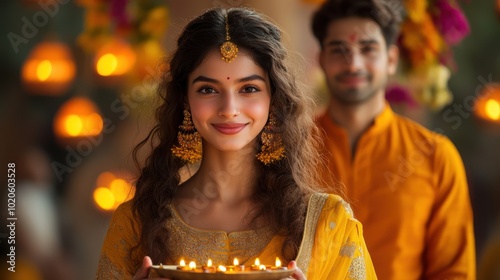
(231, 272)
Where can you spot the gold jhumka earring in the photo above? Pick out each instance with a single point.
(189, 148)
(228, 49)
(272, 143)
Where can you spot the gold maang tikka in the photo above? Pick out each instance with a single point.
(228, 49)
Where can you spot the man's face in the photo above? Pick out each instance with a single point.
(356, 60)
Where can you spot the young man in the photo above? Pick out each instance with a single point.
(407, 185)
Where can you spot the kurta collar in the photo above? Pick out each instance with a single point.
(381, 122)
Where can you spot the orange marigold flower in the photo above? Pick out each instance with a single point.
(422, 41)
(416, 9)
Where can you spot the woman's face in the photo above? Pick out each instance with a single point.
(229, 102)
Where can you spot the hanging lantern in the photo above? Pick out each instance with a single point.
(114, 58)
(77, 118)
(487, 105)
(112, 189)
(49, 69)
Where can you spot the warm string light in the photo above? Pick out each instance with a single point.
(112, 190)
(492, 108)
(487, 104)
(114, 58)
(77, 118)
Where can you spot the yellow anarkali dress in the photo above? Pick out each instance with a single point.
(332, 246)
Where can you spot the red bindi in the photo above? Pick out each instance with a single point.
(228, 78)
(353, 38)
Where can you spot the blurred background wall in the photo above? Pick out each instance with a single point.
(71, 140)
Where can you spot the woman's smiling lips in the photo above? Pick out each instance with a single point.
(229, 128)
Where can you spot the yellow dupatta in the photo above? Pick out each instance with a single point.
(333, 246)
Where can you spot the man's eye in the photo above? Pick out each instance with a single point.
(340, 51)
(368, 49)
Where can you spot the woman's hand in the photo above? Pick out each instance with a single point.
(143, 272)
(297, 274)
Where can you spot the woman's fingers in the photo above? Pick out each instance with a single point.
(143, 272)
(297, 274)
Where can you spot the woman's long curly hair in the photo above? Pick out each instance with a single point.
(283, 188)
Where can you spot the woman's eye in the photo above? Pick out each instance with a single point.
(207, 90)
(250, 89)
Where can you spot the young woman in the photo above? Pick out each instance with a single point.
(231, 105)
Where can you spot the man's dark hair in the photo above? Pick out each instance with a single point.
(387, 14)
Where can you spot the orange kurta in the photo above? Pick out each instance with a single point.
(408, 188)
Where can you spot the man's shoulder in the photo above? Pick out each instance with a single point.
(418, 131)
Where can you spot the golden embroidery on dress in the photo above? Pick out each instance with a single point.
(107, 270)
(348, 249)
(219, 246)
(357, 269)
(347, 208)
(316, 203)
